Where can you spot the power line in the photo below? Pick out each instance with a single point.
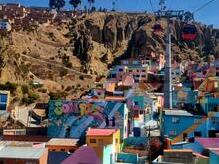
(152, 8)
(203, 6)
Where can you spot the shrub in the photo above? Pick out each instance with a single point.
(68, 88)
(63, 72)
(57, 95)
(31, 98)
(9, 86)
(24, 68)
(43, 90)
(81, 77)
(25, 89)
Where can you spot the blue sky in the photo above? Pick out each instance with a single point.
(208, 15)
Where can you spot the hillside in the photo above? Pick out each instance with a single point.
(67, 58)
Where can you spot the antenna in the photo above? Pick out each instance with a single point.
(162, 5)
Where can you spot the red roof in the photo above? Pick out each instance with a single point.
(208, 143)
(100, 132)
(114, 98)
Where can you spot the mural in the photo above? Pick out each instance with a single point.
(64, 116)
(72, 118)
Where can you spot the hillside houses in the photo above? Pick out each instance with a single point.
(21, 17)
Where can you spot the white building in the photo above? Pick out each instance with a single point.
(5, 25)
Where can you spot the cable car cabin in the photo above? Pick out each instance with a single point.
(189, 32)
(157, 28)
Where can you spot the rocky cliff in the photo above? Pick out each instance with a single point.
(131, 35)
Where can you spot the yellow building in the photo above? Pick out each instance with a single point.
(106, 143)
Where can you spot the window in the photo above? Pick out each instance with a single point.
(175, 120)
(71, 150)
(101, 142)
(197, 134)
(197, 121)
(137, 75)
(136, 102)
(116, 140)
(113, 75)
(120, 70)
(4, 98)
(172, 133)
(143, 76)
(93, 141)
(130, 70)
(62, 149)
(143, 71)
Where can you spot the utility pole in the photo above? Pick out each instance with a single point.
(168, 71)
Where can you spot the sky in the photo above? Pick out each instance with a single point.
(208, 15)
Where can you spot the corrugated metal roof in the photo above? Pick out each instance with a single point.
(14, 152)
(178, 113)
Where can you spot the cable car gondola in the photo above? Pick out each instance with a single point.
(189, 32)
(157, 28)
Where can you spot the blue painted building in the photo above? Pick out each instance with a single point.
(214, 156)
(186, 96)
(179, 122)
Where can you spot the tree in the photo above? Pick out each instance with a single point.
(56, 4)
(90, 3)
(75, 3)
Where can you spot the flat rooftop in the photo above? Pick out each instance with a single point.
(100, 132)
(62, 142)
(174, 112)
(15, 152)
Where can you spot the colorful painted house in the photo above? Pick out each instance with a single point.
(116, 73)
(84, 154)
(139, 73)
(180, 124)
(184, 96)
(106, 143)
(214, 156)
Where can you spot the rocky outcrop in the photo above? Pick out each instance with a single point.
(133, 34)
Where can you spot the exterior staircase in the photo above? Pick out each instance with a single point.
(191, 129)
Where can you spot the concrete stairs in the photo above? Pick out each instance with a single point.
(191, 129)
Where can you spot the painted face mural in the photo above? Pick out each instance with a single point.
(58, 108)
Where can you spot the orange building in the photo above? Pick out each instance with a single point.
(62, 144)
(106, 142)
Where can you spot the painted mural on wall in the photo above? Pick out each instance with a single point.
(72, 118)
(64, 116)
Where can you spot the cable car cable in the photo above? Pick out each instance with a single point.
(152, 8)
(203, 6)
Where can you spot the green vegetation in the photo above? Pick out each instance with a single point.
(57, 95)
(24, 68)
(81, 77)
(63, 72)
(9, 86)
(25, 89)
(31, 98)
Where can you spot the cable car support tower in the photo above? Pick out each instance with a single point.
(168, 15)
